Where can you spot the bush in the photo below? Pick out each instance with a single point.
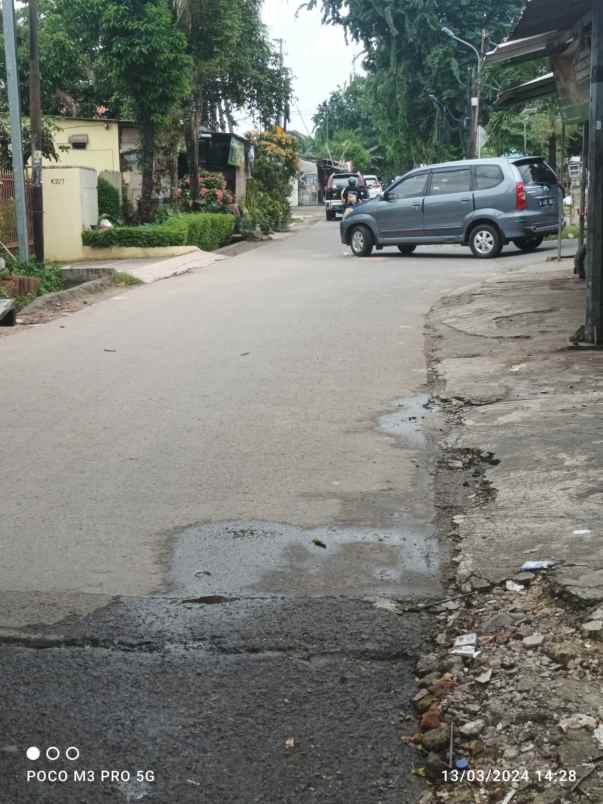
(264, 211)
(108, 200)
(207, 231)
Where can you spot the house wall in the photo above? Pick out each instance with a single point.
(70, 205)
(102, 151)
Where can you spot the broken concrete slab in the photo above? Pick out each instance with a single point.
(174, 266)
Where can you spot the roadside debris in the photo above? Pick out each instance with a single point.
(319, 543)
(537, 566)
(520, 679)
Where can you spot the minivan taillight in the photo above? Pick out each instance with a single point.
(521, 200)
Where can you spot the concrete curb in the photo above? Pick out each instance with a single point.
(51, 300)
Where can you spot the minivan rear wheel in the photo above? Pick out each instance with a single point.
(406, 250)
(485, 241)
(528, 243)
(361, 241)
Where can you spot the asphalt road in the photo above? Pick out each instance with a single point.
(213, 488)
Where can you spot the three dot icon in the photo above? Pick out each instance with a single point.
(52, 753)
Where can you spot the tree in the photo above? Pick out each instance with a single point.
(145, 57)
(234, 67)
(408, 59)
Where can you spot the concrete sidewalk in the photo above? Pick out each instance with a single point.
(519, 479)
(149, 270)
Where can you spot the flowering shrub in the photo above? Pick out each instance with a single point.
(213, 193)
(267, 201)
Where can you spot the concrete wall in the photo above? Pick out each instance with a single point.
(70, 205)
(102, 150)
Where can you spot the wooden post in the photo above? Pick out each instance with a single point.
(594, 262)
(583, 177)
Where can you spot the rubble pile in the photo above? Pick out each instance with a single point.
(509, 704)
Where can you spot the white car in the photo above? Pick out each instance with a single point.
(373, 185)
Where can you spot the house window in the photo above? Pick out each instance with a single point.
(79, 142)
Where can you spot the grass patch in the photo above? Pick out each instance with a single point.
(125, 280)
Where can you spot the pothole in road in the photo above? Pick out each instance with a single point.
(215, 561)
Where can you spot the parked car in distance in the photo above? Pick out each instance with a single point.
(480, 203)
(373, 185)
(336, 184)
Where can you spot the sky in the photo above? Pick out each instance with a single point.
(316, 54)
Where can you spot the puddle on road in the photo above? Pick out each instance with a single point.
(406, 422)
(396, 556)
(267, 558)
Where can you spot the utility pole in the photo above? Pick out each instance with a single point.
(474, 146)
(594, 258)
(14, 106)
(281, 45)
(35, 114)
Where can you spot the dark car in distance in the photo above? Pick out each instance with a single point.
(480, 203)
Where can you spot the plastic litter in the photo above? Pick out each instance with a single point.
(465, 639)
(584, 532)
(466, 645)
(461, 764)
(469, 651)
(537, 566)
(511, 586)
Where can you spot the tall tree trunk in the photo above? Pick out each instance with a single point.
(191, 135)
(147, 202)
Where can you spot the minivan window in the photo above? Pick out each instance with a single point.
(487, 176)
(450, 181)
(536, 172)
(343, 181)
(411, 187)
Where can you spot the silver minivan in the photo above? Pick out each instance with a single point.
(480, 203)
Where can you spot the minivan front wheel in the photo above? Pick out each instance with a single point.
(361, 241)
(485, 241)
(528, 243)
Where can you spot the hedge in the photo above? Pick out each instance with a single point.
(208, 231)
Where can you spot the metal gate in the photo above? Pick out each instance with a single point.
(8, 213)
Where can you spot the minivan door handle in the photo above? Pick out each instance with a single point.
(417, 204)
(465, 200)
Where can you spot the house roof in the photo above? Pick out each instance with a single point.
(537, 88)
(517, 50)
(542, 16)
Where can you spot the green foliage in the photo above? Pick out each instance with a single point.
(267, 197)
(235, 63)
(213, 194)
(49, 274)
(207, 231)
(210, 231)
(407, 59)
(48, 148)
(108, 200)
(263, 211)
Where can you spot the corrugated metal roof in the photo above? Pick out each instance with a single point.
(520, 49)
(537, 88)
(540, 16)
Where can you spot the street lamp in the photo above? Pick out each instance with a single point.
(475, 143)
